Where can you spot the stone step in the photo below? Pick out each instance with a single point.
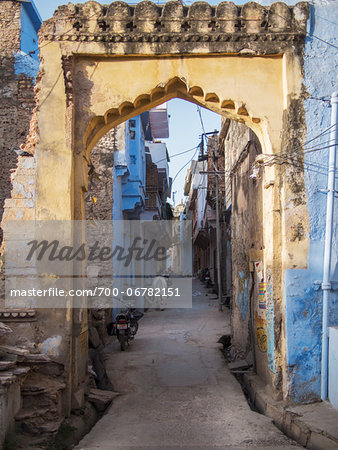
(13, 350)
(101, 398)
(4, 365)
(33, 358)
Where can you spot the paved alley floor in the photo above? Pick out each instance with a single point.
(176, 389)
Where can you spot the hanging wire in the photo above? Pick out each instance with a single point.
(57, 36)
(307, 32)
(184, 166)
(178, 154)
(309, 149)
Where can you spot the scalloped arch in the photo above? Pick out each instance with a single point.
(174, 88)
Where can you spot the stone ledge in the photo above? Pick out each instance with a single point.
(313, 426)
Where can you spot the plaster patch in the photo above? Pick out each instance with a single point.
(51, 346)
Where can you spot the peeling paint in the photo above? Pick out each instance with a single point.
(303, 312)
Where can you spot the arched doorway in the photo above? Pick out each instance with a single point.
(102, 66)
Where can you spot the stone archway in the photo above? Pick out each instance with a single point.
(101, 65)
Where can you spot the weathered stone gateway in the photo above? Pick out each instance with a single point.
(101, 65)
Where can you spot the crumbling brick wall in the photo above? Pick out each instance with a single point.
(16, 98)
(10, 25)
(99, 200)
(219, 164)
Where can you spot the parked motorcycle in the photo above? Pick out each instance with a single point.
(125, 327)
(205, 277)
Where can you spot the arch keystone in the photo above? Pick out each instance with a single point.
(176, 85)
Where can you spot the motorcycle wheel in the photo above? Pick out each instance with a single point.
(123, 342)
(134, 328)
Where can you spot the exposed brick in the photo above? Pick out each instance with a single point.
(101, 181)
(17, 102)
(10, 21)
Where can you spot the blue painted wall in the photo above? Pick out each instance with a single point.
(133, 184)
(303, 295)
(30, 25)
(27, 60)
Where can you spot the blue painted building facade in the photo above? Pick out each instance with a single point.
(130, 173)
(130, 201)
(27, 59)
(303, 293)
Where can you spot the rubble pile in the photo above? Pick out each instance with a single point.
(31, 381)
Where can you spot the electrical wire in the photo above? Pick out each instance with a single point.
(178, 154)
(56, 36)
(322, 40)
(327, 20)
(184, 166)
(294, 161)
(307, 32)
(306, 150)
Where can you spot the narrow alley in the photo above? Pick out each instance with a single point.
(176, 390)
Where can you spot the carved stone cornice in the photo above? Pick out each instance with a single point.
(174, 28)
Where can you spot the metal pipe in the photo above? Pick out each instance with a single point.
(326, 285)
(218, 231)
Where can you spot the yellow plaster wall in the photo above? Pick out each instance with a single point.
(54, 154)
(256, 83)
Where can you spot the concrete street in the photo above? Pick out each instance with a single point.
(176, 389)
